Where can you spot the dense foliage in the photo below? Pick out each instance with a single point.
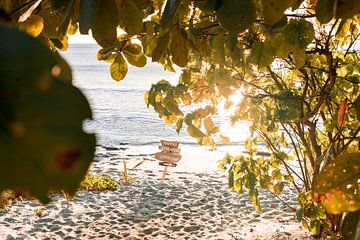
(295, 63)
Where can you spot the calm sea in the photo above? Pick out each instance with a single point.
(120, 115)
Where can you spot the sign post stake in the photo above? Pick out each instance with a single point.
(164, 174)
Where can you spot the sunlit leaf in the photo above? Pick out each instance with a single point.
(337, 185)
(179, 49)
(42, 143)
(119, 68)
(273, 10)
(262, 54)
(224, 139)
(299, 33)
(133, 54)
(130, 17)
(104, 27)
(33, 25)
(236, 16)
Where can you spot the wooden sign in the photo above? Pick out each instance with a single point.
(169, 155)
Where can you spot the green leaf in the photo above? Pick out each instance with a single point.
(273, 10)
(178, 48)
(325, 10)
(276, 174)
(42, 144)
(88, 12)
(299, 33)
(118, 68)
(133, 54)
(219, 50)
(195, 132)
(231, 180)
(337, 185)
(130, 17)
(104, 28)
(350, 226)
(179, 124)
(236, 16)
(172, 106)
(262, 54)
(278, 187)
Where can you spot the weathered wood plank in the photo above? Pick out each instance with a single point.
(167, 157)
(170, 143)
(169, 149)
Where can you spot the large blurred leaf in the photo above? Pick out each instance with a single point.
(236, 16)
(104, 28)
(42, 144)
(350, 227)
(33, 25)
(88, 12)
(299, 33)
(337, 186)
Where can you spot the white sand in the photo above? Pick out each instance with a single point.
(193, 203)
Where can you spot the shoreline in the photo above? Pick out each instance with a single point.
(192, 203)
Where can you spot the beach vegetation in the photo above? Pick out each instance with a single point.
(96, 183)
(295, 64)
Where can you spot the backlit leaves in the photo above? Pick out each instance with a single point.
(42, 143)
(236, 16)
(273, 10)
(262, 54)
(104, 26)
(130, 17)
(119, 68)
(133, 54)
(337, 186)
(299, 33)
(33, 25)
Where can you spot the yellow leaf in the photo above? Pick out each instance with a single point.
(119, 68)
(33, 25)
(224, 140)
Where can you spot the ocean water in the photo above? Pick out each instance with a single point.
(120, 115)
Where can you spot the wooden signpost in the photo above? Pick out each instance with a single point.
(169, 155)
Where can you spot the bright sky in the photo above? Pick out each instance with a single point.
(79, 38)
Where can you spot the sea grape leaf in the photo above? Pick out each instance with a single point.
(65, 21)
(42, 144)
(134, 55)
(273, 10)
(168, 15)
(119, 68)
(104, 28)
(347, 8)
(325, 10)
(88, 12)
(130, 17)
(179, 49)
(224, 139)
(33, 25)
(262, 54)
(236, 16)
(350, 227)
(299, 33)
(337, 185)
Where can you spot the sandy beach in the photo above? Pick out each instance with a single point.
(192, 203)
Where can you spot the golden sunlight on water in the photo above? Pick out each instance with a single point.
(240, 130)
